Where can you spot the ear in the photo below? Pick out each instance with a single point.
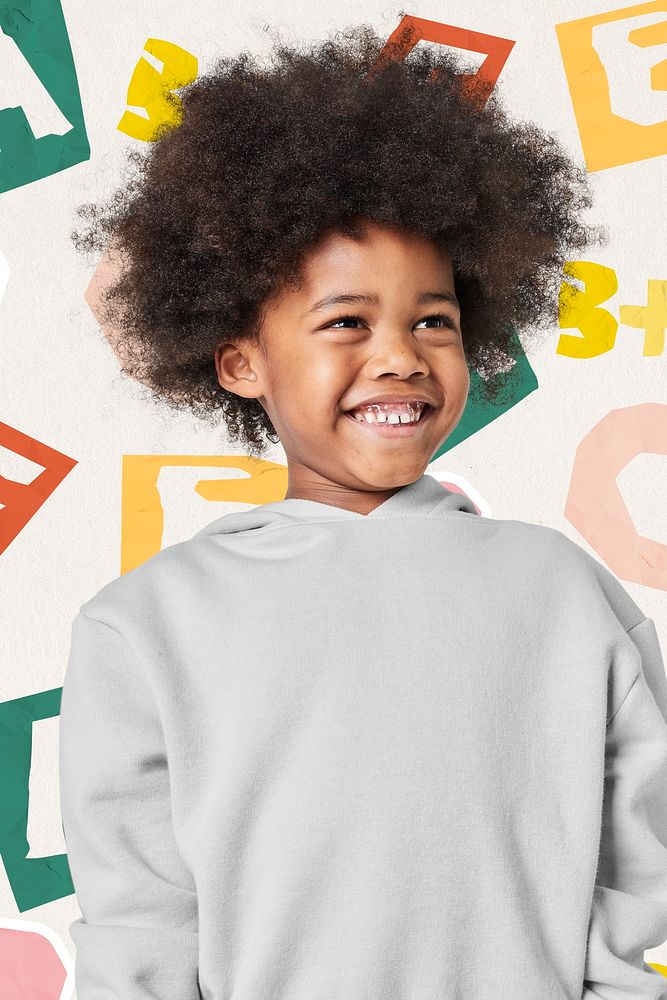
(234, 364)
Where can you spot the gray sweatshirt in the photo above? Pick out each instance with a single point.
(420, 754)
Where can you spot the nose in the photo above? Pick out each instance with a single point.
(394, 351)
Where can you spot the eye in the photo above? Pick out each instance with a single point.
(446, 321)
(343, 319)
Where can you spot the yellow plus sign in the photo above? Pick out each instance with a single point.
(652, 318)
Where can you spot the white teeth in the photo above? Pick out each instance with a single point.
(386, 413)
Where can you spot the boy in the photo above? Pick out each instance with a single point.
(360, 742)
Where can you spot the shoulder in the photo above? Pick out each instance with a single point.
(599, 576)
(580, 574)
(523, 545)
(564, 571)
(132, 599)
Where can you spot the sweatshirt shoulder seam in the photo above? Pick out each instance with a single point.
(101, 621)
(136, 659)
(625, 698)
(635, 678)
(123, 637)
(646, 618)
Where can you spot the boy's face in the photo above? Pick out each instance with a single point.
(314, 362)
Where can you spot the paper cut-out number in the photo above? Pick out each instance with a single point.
(579, 309)
(153, 90)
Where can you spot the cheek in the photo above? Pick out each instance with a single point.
(456, 392)
(455, 373)
(309, 397)
(322, 378)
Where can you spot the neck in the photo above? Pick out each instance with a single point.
(304, 484)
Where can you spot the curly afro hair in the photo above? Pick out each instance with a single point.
(221, 211)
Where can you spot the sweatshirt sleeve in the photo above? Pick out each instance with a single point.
(629, 910)
(137, 937)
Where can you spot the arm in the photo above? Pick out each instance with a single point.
(629, 912)
(138, 934)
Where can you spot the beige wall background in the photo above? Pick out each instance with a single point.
(595, 425)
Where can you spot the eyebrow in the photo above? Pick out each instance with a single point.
(370, 299)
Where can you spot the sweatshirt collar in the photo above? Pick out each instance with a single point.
(422, 496)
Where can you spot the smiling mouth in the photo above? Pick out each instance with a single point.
(394, 428)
